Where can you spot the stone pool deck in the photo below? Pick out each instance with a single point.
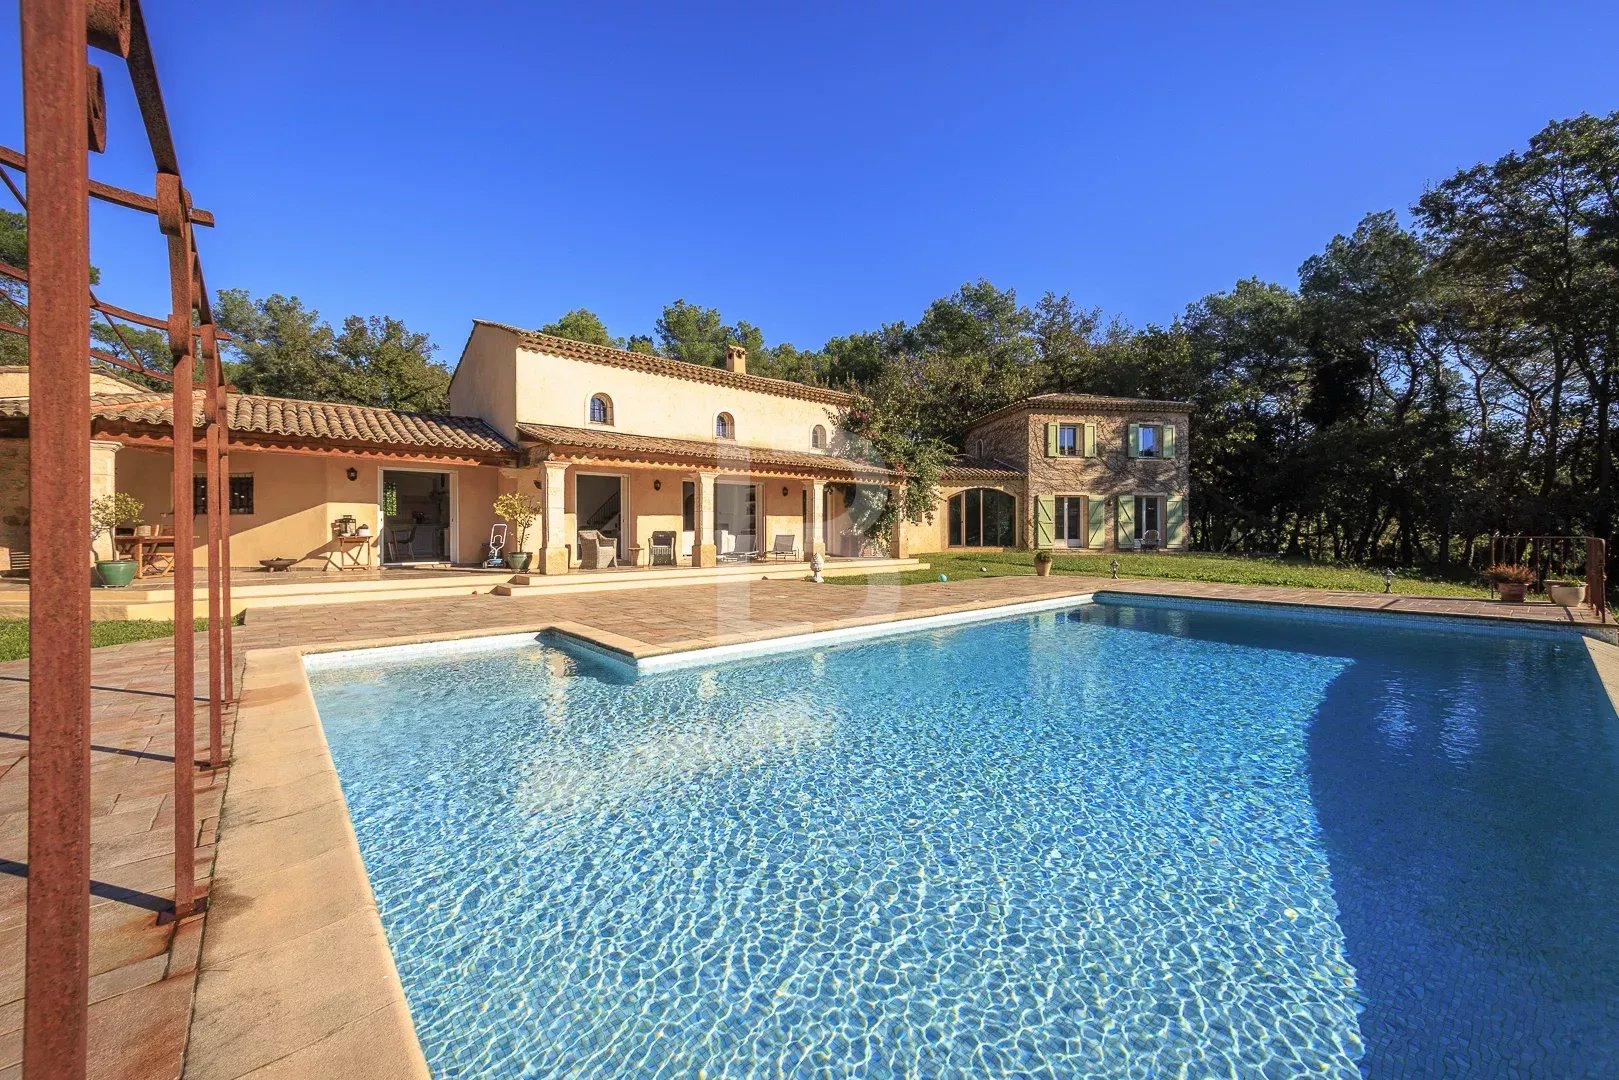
(296, 979)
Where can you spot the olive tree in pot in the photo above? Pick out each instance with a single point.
(1042, 563)
(1510, 580)
(518, 511)
(107, 513)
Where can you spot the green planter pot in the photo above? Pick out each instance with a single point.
(116, 573)
(518, 560)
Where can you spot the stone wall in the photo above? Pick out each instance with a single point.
(1112, 472)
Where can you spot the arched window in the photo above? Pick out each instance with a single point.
(983, 517)
(724, 426)
(818, 437)
(601, 409)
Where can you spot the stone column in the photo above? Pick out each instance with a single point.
(103, 481)
(703, 552)
(553, 521)
(818, 518)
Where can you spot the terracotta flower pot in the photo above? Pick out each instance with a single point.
(1042, 569)
(1512, 592)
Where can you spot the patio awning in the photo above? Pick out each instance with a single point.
(551, 442)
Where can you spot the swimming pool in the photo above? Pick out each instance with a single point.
(1111, 841)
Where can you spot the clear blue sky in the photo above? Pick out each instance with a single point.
(815, 171)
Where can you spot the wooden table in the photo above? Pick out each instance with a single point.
(349, 553)
(148, 553)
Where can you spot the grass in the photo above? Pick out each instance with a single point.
(1232, 569)
(14, 633)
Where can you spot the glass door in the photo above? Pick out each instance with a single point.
(415, 514)
(1071, 520)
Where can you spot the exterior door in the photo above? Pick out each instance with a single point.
(1071, 520)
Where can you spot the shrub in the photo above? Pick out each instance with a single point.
(110, 511)
(1042, 556)
(1510, 574)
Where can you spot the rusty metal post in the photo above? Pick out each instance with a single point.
(224, 544)
(218, 512)
(57, 954)
(182, 344)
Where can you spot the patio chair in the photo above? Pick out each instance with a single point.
(401, 538)
(596, 552)
(785, 547)
(663, 549)
(1148, 541)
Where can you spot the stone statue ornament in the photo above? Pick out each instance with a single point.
(1114, 566)
(817, 564)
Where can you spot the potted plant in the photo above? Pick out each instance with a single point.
(107, 513)
(1510, 580)
(518, 511)
(1568, 592)
(1042, 563)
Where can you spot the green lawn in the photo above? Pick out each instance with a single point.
(14, 633)
(1293, 573)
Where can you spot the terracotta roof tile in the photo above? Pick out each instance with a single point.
(535, 341)
(967, 468)
(719, 452)
(293, 419)
(1081, 403)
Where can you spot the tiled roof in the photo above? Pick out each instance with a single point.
(967, 468)
(720, 452)
(290, 418)
(1083, 403)
(535, 341)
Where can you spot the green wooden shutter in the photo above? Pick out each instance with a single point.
(1090, 440)
(1096, 533)
(1169, 441)
(1126, 517)
(1133, 442)
(1045, 515)
(1051, 440)
(1175, 520)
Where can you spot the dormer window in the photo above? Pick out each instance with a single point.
(601, 409)
(724, 426)
(818, 437)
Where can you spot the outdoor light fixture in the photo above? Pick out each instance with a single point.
(354, 474)
(657, 485)
(1388, 581)
(784, 489)
(1115, 568)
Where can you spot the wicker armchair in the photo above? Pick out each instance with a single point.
(596, 552)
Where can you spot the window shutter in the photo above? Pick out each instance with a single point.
(1090, 440)
(1096, 533)
(1133, 442)
(1175, 521)
(1169, 441)
(1051, 440)
(1045, 515)
(1126, 517)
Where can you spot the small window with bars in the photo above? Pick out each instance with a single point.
(241, 494)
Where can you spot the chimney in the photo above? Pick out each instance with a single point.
(736, 359)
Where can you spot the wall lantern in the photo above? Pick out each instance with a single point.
(657, 485)
(784, 489)
(354, 474)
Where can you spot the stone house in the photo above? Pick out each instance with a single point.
(1067, 470)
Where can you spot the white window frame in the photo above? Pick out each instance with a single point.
(1059, 524)
(1156, 432)
(1075, 433)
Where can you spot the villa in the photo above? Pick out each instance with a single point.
(654, 461)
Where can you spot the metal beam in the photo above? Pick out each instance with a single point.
(57, 963)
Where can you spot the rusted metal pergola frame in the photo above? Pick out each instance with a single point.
(64, 116)
(1557, 555)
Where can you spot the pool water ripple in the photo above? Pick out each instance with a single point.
(1115, 842)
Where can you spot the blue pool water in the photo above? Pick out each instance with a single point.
(1119, 841)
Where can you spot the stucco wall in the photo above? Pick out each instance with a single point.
(296, 497)
(485, 381)
(557, 390)
(14, 515)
